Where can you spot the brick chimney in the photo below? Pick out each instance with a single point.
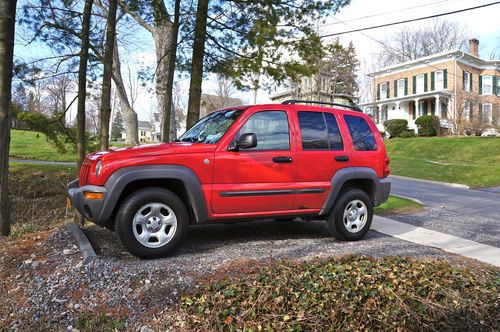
(474, 47)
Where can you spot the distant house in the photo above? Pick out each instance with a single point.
(211, 103)
(145, 131)
(456, 86)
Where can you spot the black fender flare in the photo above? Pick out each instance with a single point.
(119, 180)
(380, 188)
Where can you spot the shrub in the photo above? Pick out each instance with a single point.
(395, 127)
(407, 134)
(428, 125)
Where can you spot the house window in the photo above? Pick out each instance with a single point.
(401, 87)
(383, 91)
(439, 80)
(143, 133)
(486, 114)
(421, 108)
(467, 78)
(467, 110)
(487, 87)
(420, 83)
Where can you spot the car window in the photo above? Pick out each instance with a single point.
(271, 128)
(211, 128)
(361, 134)
(319, 131)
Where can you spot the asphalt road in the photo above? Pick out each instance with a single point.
(467, 201)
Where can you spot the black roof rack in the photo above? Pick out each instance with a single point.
(296, 101)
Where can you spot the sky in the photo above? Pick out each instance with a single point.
(483, 24)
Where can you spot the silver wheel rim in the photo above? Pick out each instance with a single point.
(154, 225)
(355, 216)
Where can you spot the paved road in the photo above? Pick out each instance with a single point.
(467, 201)
(41, 162)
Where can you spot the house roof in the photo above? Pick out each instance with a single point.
(143, 124)
(214, 102)
(447, 55)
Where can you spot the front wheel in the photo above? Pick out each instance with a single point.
(351, 217)
(152, 222)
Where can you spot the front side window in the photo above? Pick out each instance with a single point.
(420, 83)
(467, 78)
(487, 85)
(211, 128)
(401, 87)
(439, 80)
(486, 114)
(383, 91)
(319, 131)
(361, 134)
(271, 129)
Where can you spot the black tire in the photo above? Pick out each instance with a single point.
(335, 221)
(137, 200)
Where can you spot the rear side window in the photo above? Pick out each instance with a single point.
(319, 131)
(361, 134)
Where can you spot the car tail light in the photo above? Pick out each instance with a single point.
(387, 170)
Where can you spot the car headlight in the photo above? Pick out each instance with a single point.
(98, 167)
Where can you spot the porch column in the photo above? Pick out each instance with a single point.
(417, 108)
(381, 113)
(437, 111)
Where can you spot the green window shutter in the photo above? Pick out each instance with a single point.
(415, 111)
(388, 84)
(480, 112)
(463, 79)
(414, 84)
(432, 80)
(445, 78)
(406, 86)
(480, 84)
(378, 91)
(433, 108)
(470, 82)
(495, 82)
(395, 88)
(425, 82)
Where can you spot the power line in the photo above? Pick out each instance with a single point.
(406, 21)
(388, 12)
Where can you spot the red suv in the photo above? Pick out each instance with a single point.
(251, 162)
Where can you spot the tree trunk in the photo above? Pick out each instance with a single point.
(200, 34)
(169, 128)
(108, 71)
(7, 24)
(130, 116)
(82, 82)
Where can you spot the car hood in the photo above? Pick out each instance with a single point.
(150, 150)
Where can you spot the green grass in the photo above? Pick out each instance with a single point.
(34, 145)
(474, 161)
(397, 205)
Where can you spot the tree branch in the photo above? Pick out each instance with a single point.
(136, 17)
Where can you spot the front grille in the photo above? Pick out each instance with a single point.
(84, 173)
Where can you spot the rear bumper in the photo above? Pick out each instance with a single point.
(382, 191)
(91, 209)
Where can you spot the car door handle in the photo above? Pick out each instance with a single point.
(282, 160)
(342, 158)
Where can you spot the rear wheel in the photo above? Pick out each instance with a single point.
(152, 223)
(351, 217)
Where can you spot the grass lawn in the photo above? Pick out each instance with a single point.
(33, 145)
(474, 161)
(397, 205)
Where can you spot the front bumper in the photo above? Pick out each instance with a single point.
(382, 191)
(91, 209)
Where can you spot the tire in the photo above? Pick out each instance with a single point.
(346, 225)
(152, 223)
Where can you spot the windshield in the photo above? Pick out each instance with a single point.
(211, 128)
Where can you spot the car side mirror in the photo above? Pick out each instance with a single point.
(246, 141)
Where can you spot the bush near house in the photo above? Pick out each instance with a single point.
(407, 134)
(395, 126)
(428, 125)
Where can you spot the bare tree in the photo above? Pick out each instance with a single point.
(413, 43)
(105, 113)
(82, 81)
(57, 91)
(225, 89)
(7, 24)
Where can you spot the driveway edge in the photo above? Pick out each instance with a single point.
(86, 249)
(449, 184)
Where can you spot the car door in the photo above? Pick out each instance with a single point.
(259, 179)
(321, 153)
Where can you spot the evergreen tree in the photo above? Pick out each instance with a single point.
(117, 127)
